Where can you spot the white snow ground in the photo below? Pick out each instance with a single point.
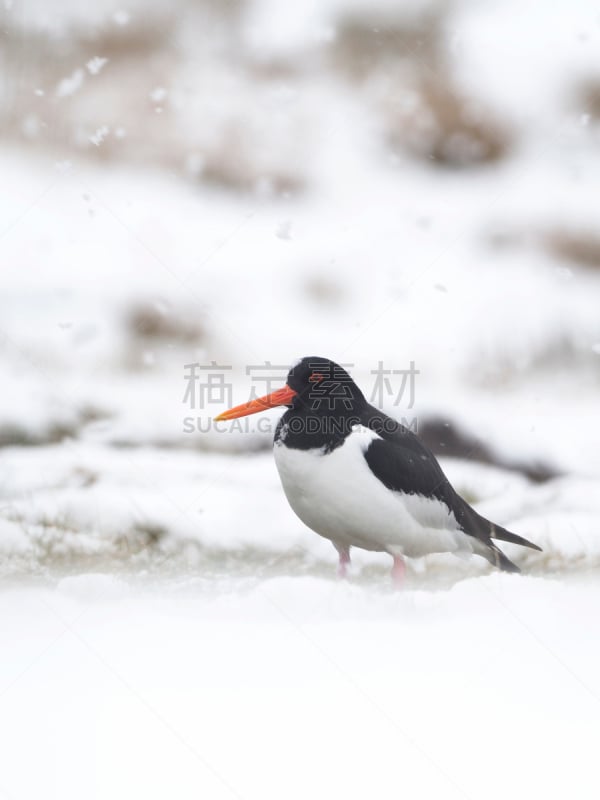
(167, 626)
(299, 687)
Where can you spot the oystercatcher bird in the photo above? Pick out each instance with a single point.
(361, 479)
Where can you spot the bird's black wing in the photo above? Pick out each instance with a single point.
(404, 464)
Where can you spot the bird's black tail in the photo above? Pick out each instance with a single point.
(503, 535)
(484, 530)
(498, 559)
(480, 527)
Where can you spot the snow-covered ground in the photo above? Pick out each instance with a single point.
(223, 188)
(299, 687)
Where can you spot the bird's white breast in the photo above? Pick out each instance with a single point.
(338, 496)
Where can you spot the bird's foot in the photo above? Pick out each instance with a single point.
(342, 570)
(398, 572)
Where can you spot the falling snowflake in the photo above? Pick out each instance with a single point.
(70, 85)
(121, 17)
(95, 64)
(284, 230)
(100, 135)
(158, 95)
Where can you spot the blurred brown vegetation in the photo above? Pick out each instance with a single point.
(407, 71)
(182, 89)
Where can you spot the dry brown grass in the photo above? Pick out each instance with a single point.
(588, 95)
(230, 144)
(323, 291)
(235, 162)
(449, 440)
(442, 127)
(404, 68)
(363, 46)
(149, 322)
(580, 247)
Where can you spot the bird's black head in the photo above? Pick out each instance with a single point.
(315, 387)
(323, 387)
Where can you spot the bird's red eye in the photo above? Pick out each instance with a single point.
(316, 377)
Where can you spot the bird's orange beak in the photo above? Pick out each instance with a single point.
(281, 397)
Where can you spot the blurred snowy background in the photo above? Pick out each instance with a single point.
(248, 181)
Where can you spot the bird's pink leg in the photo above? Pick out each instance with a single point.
(398, 572)
(344, 553)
